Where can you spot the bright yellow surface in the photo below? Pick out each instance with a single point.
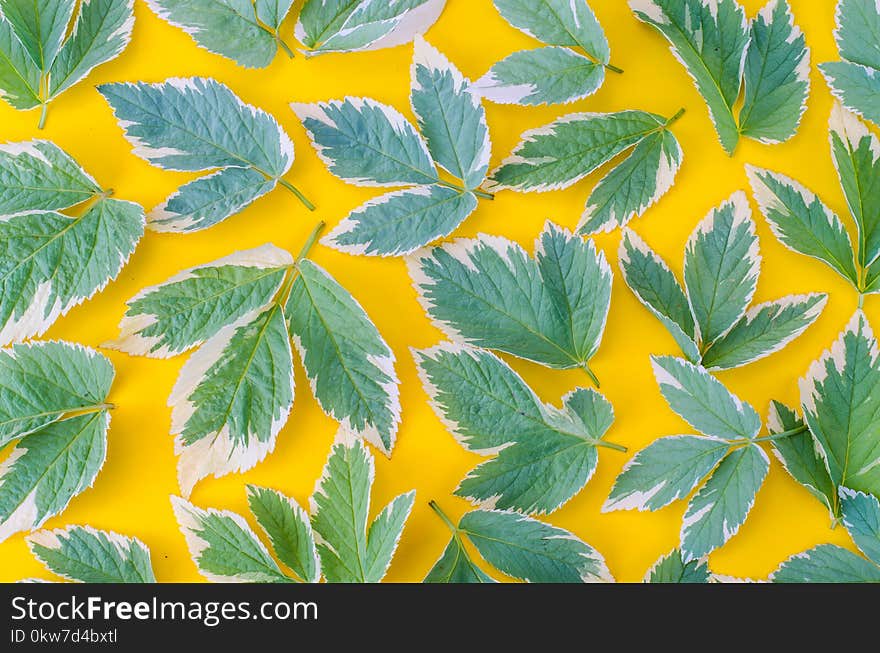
(131, 492)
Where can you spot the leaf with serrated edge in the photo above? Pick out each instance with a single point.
(456, 566)
(87, 555)
(530, 550)
(223, 546)
(826, 563)
(194, 305)
(348, 363)
(672, 569)
(861, 516)
(702, 401)
(19, 76)
(40, 26)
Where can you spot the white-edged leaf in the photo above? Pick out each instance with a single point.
(861, 516)
(826, 563)
(39, 26)
(19, 75)
(671, 568)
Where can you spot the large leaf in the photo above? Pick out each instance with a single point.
(545, 455)
(39, 26)
(350, 552)
(87, 555)
(349, 365)
(488, 292)
(826, 563)
(19, 76)
(841, 401)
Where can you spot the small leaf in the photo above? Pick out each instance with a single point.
(666, 470)
(39, 26)
(702, 401)
(673, 569)
(194, 305)
(855, 86)
(19, 75)
(402, 221)
(826, 563)
(551, 75)
(489, 293)
(289, 530)
(841, 399)
(802, 222)
(776, 76)
(340, 510)
(657, 288)
(530, 550)
(450, 116)
(87, 555)
(350, 366)
(861, 516)
(764, 330)
(456, 566)
(367, 143)
(272, 12)
(717, 511)
(721, 267)
(224, 547)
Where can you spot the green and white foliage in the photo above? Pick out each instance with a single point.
(337, 542)
(709, 317)
(571, 148)
(197, 125)
(359, 25)
(557, 73)
(828, 563)
(86, 555)
(855, 80)
(367, 143)
(542, 455)
(54, 413)
(519, 547)
(235, 393)
(725, 463)
(804, 224)
(42, 55)
(488, 292)
(723, 52)
(672, 568)
(51, 261)
(249, 31)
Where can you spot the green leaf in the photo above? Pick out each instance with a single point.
(666, 470)
(359, 25)
(46, 469)
(101, 32)
(19, 76)
(634, 185)
(855, 86)
(721, 267)
(826, 563)
(51, 262)
(40, 26)
(710, 38)
(194, 305)
(673, 569)
(232, 398)
(456, 566)
(367, 143)
(764, 330)
(861, 516)
(226, 27)
(800, 456)
(856, 153)
(39, 175)
(530, 550)
(801, 222)
(400, 222)
(223, 546)
(551, 75)
(841, 400)
(717, 511)
(562, 153)
(776, 76)
(41, 382)
(450, 116)
(657, 288)
(350, 366)
(545, 455)
(87, 555)
(289, 531)
(558, 22)
(273, 12)
(702, 401)
(340, 511)
(489, 293)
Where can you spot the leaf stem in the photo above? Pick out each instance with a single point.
(310, 241)
(861, 300)
(614, 69)
(675, 118)
(284, 46)
(293, 189)
(611, 445)
(43, 111)
(479, 193)
(443, 516)
(775, 436)
(595, 379)
(89, 410)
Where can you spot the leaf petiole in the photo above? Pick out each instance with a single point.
(479, 193)
(442, 515)
(675, 118)
(614, 69)
(43, 112)
(284, 46)
(770, 438)
(310, 241)
(293, 189)
(595, 379)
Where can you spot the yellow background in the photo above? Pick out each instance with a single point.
(131, 494)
